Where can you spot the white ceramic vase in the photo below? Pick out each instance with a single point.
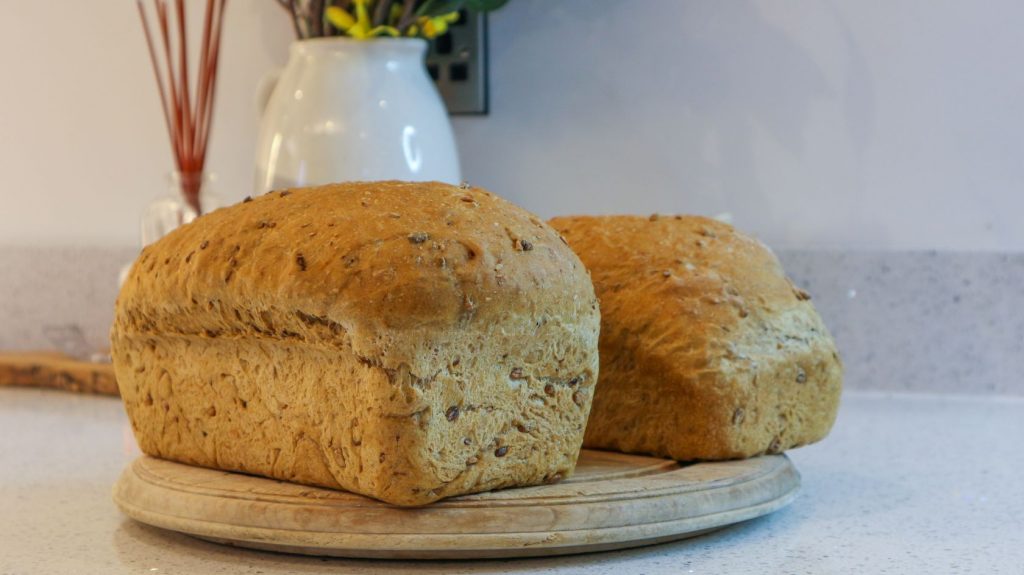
(346, 109)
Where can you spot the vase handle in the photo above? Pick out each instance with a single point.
(265, 89)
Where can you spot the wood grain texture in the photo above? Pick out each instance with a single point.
(56, 371)
(612, 501)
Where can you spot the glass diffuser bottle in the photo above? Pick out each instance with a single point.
(189, 196)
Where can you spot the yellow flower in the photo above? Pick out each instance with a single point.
(382, 30)
(359, 26)
(339, 18)
(361, 29)
(362, 14)
(437, 25)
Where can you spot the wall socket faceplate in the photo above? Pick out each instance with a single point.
(457, 62)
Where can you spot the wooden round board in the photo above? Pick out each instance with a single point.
(612, 501)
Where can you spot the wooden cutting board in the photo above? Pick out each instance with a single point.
(57, 371)
(612, 501)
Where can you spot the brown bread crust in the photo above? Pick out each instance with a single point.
(406, 341)
(707, 350)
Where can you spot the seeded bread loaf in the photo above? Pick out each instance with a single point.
(707, 350)
(404, 341)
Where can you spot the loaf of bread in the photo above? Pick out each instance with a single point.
(707, 350)
(405, 341)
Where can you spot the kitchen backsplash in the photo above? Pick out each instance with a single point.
(904, 321)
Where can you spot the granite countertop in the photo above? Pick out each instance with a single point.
(909, 483)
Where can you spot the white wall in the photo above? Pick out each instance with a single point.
(861, 123)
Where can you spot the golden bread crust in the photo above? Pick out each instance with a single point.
(707, 350)
(407, 341)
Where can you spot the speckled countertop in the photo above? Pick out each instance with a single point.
(946, 322)
(905, 484)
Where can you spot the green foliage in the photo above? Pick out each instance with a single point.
(439, 7)
(485, 5)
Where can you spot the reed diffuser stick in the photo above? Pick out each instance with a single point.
(187, 115)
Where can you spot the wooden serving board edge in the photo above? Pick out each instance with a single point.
(471, 546)
(756, 495)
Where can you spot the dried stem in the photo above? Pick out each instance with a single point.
(289, 5)
(380, 15)
(408, 15)
(316, 17)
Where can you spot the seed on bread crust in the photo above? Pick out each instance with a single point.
(452, 414)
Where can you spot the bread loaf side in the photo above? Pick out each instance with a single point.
(707, 350)
(406, 341)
